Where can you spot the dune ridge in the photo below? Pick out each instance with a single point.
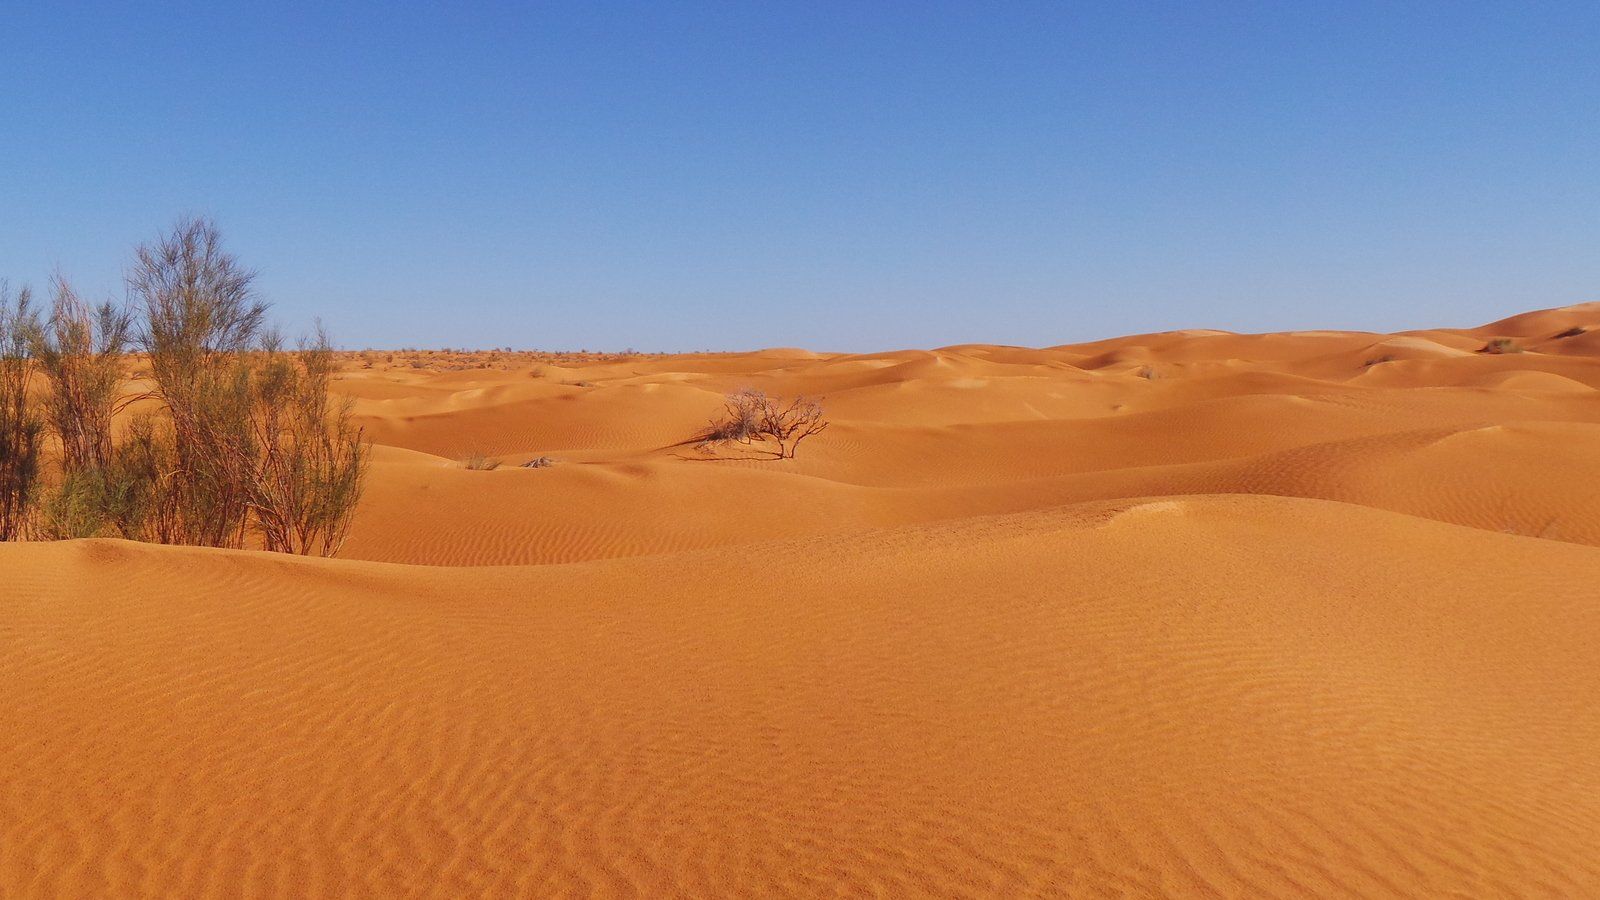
(926, 435)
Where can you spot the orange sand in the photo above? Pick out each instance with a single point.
(1279, 620)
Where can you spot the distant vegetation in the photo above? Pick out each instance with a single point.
(751, 417)
(1497, 346)
(238, 442)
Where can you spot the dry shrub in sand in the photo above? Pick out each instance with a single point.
(256, 440)
(740, 422)
(81, 351)
(20, 427)
(249, 439)
(1498, 346)
(750, 417)
(202, 321)
(478, 462)
(308, 461)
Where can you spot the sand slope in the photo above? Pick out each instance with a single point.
(1276, 621)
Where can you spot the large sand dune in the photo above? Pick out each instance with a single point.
(1183, 614)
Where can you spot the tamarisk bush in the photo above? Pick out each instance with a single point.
(202, 319)
(308, 461)
(256, 441)
(246, 440)
(20, 427)
(81, 351)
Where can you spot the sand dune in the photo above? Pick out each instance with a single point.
(1186, 614)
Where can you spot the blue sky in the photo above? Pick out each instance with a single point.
(846, 176)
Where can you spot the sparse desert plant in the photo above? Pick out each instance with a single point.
(1379, 360)
(539, 462)
(751, 416)
(74, 509)
(94, 503)
(310, 461)
(20, 427)
(740, 421)
(1499, 346)
(252, 439)
(478, 462)
(249, 437)
(1574, 331)
(791, 424)
(127, 499)
(138, 494)
(80, 349)
(201, 319)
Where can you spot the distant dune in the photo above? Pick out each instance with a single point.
(1185, 614)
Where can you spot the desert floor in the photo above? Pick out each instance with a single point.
(1188, 614)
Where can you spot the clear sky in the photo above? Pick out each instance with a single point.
(844, 176)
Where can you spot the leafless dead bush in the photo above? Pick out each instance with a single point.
(740, 421)
(750, 416)
(791, 424)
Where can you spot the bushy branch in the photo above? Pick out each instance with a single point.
(20, 426)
